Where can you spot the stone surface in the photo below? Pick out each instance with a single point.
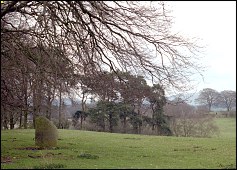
(46, 133)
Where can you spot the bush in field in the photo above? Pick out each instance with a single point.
(186, 120)
(206, 127)
(195, 125)
(46, 134)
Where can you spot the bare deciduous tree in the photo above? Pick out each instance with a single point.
(208, 97)
(106, 35)
(228, 99)
(55, 43)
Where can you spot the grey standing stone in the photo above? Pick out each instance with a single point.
(46, 133)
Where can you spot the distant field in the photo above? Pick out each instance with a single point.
(227, 127)
(86, 149)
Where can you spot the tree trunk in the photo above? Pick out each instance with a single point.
(60, 109)
(25, 119)
(49, 108)
(157, 130)
(83, 105)
(83, 108)
(103, 127)
(139, 129)
(37, 97)
(124, 124)
(209, 107)
(1, 121)
(50, 98)
(11, 121)
(20, 120)
(4, 119)
(153, 112)
(228, 108)
(136, 129)
(2, 116)
(25, 113)
(48, 115)
(81, 117)
(37, 91)
(25, 92)
(34, 106)
(110, 123)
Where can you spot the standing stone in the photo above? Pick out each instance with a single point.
(46, 134)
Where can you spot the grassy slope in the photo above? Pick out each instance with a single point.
(227, 127)
(124, 150)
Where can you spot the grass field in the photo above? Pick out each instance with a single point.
(86, 149)
(227, 127)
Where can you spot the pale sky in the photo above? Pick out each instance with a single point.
(214, 22)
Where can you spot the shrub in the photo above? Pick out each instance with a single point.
(195, 125)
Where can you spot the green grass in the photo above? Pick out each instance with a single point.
(227, 127)
(85, 149)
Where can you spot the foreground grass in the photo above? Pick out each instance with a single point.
(85, 149)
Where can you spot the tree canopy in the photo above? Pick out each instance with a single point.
(102, 35)
(51, 47)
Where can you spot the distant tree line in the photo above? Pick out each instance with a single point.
(122, 96)
(178, 119)
(224, 99)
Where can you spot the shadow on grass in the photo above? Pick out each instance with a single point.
(88, 156)
(49, 166)
(41, 148)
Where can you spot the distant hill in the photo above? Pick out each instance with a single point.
(188, 98)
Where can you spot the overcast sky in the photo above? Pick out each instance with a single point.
(214, 22)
